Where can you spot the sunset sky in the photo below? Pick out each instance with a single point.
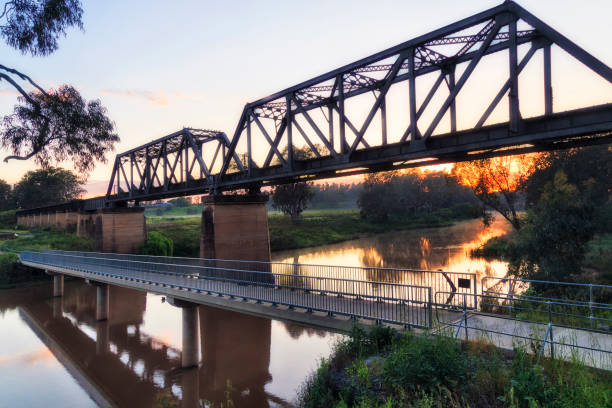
(159, 66)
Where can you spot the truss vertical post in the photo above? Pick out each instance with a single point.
(165, 150)
(330, 119)
(515, 114)
(453, 106)
(147, 170)
(186, 162)
(412, 89)
(289, 120)
(131, 175)
(249, 149)
(383, 120)
(548, 91)
(341, 117)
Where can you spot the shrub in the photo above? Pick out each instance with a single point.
(157, 244)
(8, 219)
(426, 364)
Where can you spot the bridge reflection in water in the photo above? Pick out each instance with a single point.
(118, 364)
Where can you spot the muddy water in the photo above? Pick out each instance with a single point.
(54, 354)
(448, 249)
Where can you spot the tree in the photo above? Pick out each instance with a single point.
(552, 243)
(6, 196)
(498, 182)
(49, 126)
(378, 198)
(292, 199)
(46, 187)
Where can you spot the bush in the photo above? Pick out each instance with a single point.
(157, 244)
(8, 219)
(426, 364)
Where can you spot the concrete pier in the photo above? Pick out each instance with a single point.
(235, 227)
(190, 356)
(58, 285)
(102, 304)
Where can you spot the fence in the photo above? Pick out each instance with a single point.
(395, 303)
(458, 283)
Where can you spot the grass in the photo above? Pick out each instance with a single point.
(47, 238)
(316, 227)
(384, 368)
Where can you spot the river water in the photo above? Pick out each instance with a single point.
(54, 354)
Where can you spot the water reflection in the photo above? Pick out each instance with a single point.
(132, 358)
(448, 249)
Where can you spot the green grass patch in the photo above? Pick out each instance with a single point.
(384, 368)
(47, 238)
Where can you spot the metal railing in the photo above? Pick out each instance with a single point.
(565, 328)
(395, 303)
(458, 283)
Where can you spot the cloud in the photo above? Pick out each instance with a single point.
(153, 97)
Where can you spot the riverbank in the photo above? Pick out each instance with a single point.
(385, 368)
(598, 257)
(319, 227)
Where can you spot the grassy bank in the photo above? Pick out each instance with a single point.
(388, 369)
(316, 227)
(13, 274)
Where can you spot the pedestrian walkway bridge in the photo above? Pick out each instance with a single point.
(336, 297)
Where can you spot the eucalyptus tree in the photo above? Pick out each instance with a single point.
(52, 125)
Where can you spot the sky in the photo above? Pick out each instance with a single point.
(159, 66)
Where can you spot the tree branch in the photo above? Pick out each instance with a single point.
(19, 89)
(23, 77)
(15, 157)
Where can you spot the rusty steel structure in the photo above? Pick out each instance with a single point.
(314, 130)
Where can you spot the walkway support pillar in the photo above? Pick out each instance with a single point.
(58, 285)
(190, 356)
(102, 304)
(235, 227)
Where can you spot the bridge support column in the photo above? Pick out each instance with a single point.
(190, 356)
(235, 227)
(102, 337)
(119, 230)
(102, 304)
(58, 285)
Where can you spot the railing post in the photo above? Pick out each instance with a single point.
(552, 339)
(475, 282)
(591, 305)
(430, 308)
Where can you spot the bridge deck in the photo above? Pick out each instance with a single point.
(293, 300)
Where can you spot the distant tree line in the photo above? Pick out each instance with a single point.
(38, 188)
(387, 194)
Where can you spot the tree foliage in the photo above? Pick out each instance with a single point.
(552, 243)
(55, 125)
(46, 187)
(292, 199)
(389, 193)
(6, 196)
(34, 26)
(498, 182)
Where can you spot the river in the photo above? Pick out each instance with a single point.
(53, 353)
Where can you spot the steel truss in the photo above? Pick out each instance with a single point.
(170, 165)
(300, 147)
